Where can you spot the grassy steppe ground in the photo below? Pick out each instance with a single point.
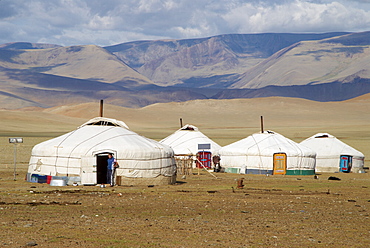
(199, 211)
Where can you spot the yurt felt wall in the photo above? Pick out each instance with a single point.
(329, 149)
(255, 155)
(77, 152)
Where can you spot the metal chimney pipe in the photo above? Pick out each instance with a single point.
(101, 108)
(180, 122)
(261, 124)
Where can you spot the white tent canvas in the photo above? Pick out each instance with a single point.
(329, 150)
(187, 140)
(268, 153)
(81, 154)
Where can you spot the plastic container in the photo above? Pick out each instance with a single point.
(48, 179)
(42, 179)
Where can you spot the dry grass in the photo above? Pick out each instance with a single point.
(199, 211)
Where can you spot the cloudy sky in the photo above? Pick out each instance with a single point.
(109, 22)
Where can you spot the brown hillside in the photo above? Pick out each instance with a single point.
(310, 62)
(205, 62)
(83, 62)
(364, 98)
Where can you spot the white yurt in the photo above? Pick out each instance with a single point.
(81, 156)
(188, 141)
(334, 155)
(267, 153)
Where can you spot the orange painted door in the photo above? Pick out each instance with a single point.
(279, 164)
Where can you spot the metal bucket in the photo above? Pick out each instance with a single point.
(58, 182)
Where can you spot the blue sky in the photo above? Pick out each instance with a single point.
(109, 22)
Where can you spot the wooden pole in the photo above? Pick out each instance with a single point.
(101, 108)
(204, 168)
(180, 122)
(261, 124)
(15, 159)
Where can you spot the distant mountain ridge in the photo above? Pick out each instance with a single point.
(218, 58)
(27, 45)
(337, 59)
(321, 67)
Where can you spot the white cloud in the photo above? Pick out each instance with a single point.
(71, 22)
(102, 23)
(188, 32)
(297, 16)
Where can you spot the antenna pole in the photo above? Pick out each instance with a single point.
(180, 122)
(101, 108)
(261, 124)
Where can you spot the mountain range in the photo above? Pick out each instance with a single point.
(320, 67)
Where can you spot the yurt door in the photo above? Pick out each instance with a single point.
(204, 159)
(88, 170)
(279, 164)
(101, 164)
(345, 164)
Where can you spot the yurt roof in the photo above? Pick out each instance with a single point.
(186, 140)
(266, 144)
(326, 144)
(102, 121)
(101, 135)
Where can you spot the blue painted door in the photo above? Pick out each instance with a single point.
(345, 163)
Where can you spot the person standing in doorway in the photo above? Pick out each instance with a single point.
(112, 164)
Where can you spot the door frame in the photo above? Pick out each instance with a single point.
(199, 160)
(277, 169)
(348, 166)
(102, 164)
